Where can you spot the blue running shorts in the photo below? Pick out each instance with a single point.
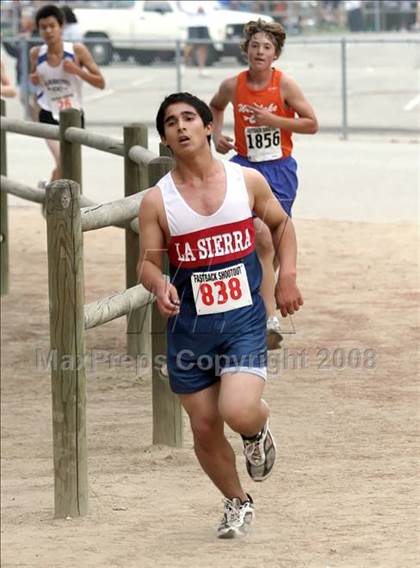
(202, 348)
(280, 174)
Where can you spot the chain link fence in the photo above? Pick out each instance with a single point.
(297, 16)
(355, 84)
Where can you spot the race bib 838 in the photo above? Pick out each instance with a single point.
(219, 291)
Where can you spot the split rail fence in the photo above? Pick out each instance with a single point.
(68, 215)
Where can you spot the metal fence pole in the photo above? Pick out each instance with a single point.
(178, 63)
(377, 16)
(25, 81)
(344, 125)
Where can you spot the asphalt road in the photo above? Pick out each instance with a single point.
(363, 179)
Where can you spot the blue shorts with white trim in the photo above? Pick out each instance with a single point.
(281, 176)
(203, 348)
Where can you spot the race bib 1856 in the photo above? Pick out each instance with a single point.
(263, 143)
(221, 290)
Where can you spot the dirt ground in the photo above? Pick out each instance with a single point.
(344, 411)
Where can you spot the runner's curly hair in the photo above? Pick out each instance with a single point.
(273, 30)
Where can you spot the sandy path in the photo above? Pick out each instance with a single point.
(343, 493)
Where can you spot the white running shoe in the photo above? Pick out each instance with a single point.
(274, 336)
(237, 517)
(260, 454)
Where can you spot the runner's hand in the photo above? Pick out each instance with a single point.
(288, 297)
(262, 117)
(167, 299)
(34, 77)
(224, 144)
(71, 67)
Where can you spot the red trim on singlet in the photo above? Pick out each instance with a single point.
(215, 245)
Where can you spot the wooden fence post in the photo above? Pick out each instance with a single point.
(135, 179)
(66, 298)
(167, 410)
(4, 230)
(164, 150)
(70, 152)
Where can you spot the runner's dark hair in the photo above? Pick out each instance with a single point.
(47, 11)
(200, 106)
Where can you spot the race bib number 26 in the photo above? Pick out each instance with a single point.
(221, 290)
(64, 103)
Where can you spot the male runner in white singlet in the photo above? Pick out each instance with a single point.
(202, 214)
(59, 68)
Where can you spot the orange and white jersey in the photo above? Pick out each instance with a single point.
(261, 143)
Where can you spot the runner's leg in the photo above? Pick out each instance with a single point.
(45, 117)
(243, 409)
(201, 56)
(240, 402)
(54, 147)
(212, 449)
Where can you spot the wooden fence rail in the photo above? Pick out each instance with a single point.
(113, 213)
(97, 141)
(94, 215)
(69, 317)
(117, 305)
(21, 190)
(140, 155)
(34, 129)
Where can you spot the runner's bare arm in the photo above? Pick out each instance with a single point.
(219, 102)
(88, 70)
(6, 87)
(152, 249)
(268, 209)
(33, 57)
(306, 121)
